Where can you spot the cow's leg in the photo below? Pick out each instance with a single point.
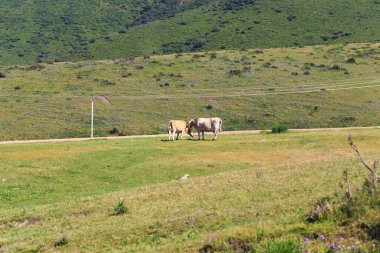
(199, 135)
(169, 133)
(183, 131)
(177, 136)
(203, 135)
(215, 135)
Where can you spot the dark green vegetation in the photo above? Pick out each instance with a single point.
(251, 89)
(279, 129)
(245, 192)
(45, 31)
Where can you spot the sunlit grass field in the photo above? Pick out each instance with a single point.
(315, 86)
(257, 186)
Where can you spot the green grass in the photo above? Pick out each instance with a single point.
(70, 31)
(53, 100)
(254, 188)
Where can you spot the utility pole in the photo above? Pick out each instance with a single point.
(92, 117)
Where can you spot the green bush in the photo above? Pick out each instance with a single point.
(120, 208)
(286, 246)
(279, 129)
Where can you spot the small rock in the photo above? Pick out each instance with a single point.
(185, 177)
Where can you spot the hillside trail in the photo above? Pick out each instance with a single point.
(165, 135)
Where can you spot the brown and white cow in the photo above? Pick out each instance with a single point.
(206, 125)
(178, 127)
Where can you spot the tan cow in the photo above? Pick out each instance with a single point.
(178, 127)
(206, 125)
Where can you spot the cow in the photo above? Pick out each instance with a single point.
(206, 125)
(178, 127)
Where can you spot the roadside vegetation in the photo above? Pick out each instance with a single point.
(266, 192)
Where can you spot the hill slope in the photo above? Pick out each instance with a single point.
(319, 86)
(69, 30)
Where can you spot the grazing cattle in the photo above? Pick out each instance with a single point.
(178, 127)
(206, 125)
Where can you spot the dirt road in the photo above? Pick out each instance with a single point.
(165, 135)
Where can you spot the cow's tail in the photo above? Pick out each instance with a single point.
(170, 127)
(220, 125)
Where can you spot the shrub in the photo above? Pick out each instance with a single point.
(291, 17)
(106, 82)
(114, 131)
(235, 72)
(231, 244)
(325, 38)
(2, 75)
(120, 208)
(195, 56)
(236, 4)
(126, 74)
(279, 129)
(286, 246)
(209, 107)
(351, 60)
(322, 210)
(36, 67)
(61, 242)
(213, 55)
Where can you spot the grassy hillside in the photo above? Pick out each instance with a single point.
(32, 31)
(243, 190)
(320, 86)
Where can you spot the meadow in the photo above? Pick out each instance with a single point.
(301, 87)
(243, 190)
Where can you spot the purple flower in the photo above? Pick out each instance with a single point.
(306, 240)
(308, 251)
(348, 247)
(322, 237)
(353, 247)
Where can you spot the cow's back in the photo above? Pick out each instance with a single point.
(178, 124)
(208, 124)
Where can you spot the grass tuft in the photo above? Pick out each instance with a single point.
(120, 208)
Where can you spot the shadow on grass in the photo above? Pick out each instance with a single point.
(167, 140)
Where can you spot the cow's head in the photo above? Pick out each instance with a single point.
(192, 123)
(188, 131)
